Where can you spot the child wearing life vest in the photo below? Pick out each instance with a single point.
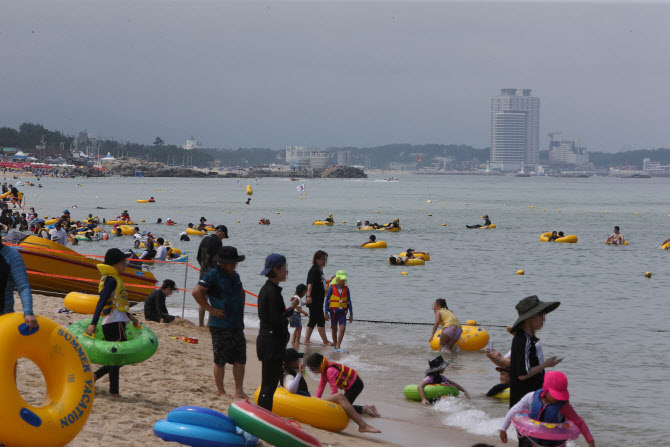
(336, 306)
(451, 327)
(434, 376)
(339, 377)
(114, 307)
(549, 404)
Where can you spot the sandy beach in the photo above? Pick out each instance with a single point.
(181, 374)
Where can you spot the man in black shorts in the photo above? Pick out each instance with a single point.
(220, 292)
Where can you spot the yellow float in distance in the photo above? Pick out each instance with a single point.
(569, 239)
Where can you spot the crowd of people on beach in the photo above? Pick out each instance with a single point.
(534, 388)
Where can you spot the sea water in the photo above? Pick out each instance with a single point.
(611, 328)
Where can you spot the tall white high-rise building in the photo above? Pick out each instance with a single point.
(515, 130)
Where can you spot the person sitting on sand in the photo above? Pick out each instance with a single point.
(372, 240)
(154, 306)
(548, 404)
(451, 327)
(487, 222)
(294, 382)
(615, 238)
(436, 367)
(339, 377)
(221, 293)
(504, 381)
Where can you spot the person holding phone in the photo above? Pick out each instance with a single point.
(526, 368)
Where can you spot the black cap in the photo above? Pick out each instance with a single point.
(169, 284)
(114, 256)
(291, 355)
(222, 228)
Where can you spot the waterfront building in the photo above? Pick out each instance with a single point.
(515, 130)
(316, 159)
(191, 144)
(568, 153)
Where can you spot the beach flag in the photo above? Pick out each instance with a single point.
(300, 188)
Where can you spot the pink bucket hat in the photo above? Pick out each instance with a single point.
(557, 384)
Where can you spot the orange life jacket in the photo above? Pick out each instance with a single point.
(345, 375)
(338, 301)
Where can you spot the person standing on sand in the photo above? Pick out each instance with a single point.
(223, 287)
(273, 335)
(526, 368)
(316, 293)
(206, 253)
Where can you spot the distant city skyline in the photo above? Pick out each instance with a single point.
(334, 74)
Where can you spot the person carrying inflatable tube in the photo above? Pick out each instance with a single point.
(14, 275)
(487, 222)
(114, 307)
(549, 404)
(294, 382)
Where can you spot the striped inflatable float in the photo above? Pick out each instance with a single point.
(268, 426)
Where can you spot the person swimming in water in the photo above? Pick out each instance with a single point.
(615, 238)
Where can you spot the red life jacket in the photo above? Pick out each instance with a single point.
(338, 301)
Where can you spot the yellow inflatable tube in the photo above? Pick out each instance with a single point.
(490, 227)
(142, 201)
(125, 230)
(50, 221)
(417, 255)
(503, 395)
(473, 338)
(323, 222)
(624, 243)
(570, 239)
(391, 229)
(378, 244)
(120, 222)
(368, 228)
(316, 412)
(68, 376)
(195, 232)
(665, 246)
(82, 303)
(412, 261)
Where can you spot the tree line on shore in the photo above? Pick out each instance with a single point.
(29, 135)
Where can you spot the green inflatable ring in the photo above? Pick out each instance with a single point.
(141, 345)
(411, 392)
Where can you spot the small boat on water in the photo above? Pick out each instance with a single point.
(392, 179)
(44, 257)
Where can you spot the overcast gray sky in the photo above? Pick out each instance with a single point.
(270, 74)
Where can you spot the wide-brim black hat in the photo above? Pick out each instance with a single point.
(228, 255)
(531, 305)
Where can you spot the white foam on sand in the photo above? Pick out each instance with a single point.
(460, 413)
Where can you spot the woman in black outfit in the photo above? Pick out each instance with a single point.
(316, 293)
(273, 335)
